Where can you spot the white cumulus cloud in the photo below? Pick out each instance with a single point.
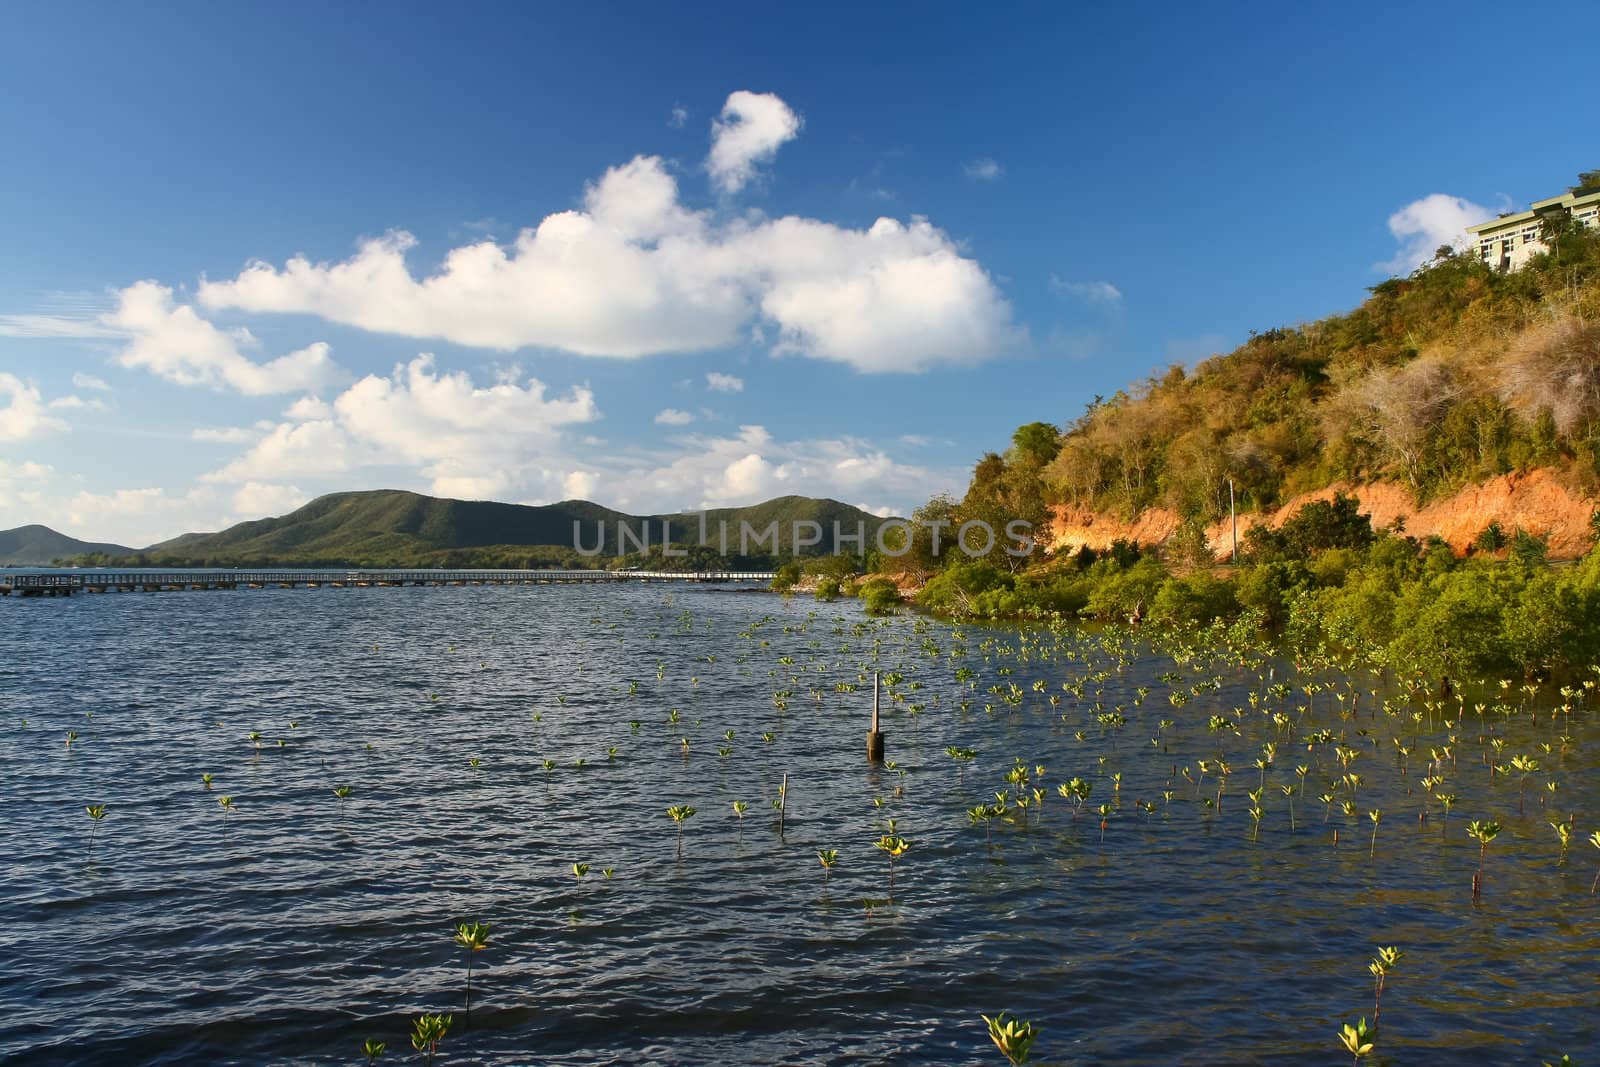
(750, 130)
(636, 273)
(466, 439)
(24, 415)
(1423, 225)
(262, 499)
(718, 382)
(173, 342)
(673, 417)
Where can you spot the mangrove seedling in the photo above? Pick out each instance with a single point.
(679, 813)
(984, 814)
(205, 780)
(1357, 1040)
(1524, 766)
(962, 756)
(739, 808)
(1380, 967)
(427, 1031)
(827, 857)
(372, 1050)
(895, 847)
(1376, 815)
(1013, 1037)
(1564, 835)
(1105, 816)
(1483, 831)
(227, 809)
(474, 937)
(1594, 839)
(96, 813)
(579, 870)
(1448, 801)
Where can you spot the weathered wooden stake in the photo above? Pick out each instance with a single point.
(783, 801)
(874, 735)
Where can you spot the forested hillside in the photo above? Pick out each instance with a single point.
(1451, 376)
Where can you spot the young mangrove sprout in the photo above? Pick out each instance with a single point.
(372, 1049)
(827, 857)
(1483, 831)
(1564, 835)
(1380, 967)
(96, 813)
(427, 1031)
(1376, 815)
(1013, 1037)
(1357, 1040)
(962, 756)
(205, 780)
(1594, 839)
(474, 937)
(679, 813)
(895, 847)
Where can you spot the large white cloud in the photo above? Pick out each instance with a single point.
(172, 341)
(750, 130)
(23, 412)
(1423, 225)
(467, 440)
(636, 273)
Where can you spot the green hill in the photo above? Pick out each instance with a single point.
(39, 546)
(396, 528)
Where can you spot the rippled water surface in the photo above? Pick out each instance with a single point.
(298, 925)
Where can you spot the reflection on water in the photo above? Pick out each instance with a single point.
(300, 925)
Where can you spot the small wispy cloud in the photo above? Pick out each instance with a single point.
(55, 326)
(724, 383)
(983, 170)
(674, 417)
(678, 117)
(1095, 292)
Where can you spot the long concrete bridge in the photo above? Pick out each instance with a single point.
(67, 582)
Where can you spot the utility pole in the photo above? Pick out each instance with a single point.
(1233, 521)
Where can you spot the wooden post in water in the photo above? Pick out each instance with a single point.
(874, 735)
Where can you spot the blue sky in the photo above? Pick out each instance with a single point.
(253, 254)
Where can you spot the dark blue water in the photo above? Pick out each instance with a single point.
(302, 925)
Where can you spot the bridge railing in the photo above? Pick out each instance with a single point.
(55, 580)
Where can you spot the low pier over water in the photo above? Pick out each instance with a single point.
(68, 582)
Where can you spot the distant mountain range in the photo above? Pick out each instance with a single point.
(393, 528)
(37, 546)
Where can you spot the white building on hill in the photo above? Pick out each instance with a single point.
(1508, 242)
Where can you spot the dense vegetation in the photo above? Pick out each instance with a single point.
(1450, 376)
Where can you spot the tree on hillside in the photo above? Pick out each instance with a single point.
(1007, 489)
(1588, 182)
